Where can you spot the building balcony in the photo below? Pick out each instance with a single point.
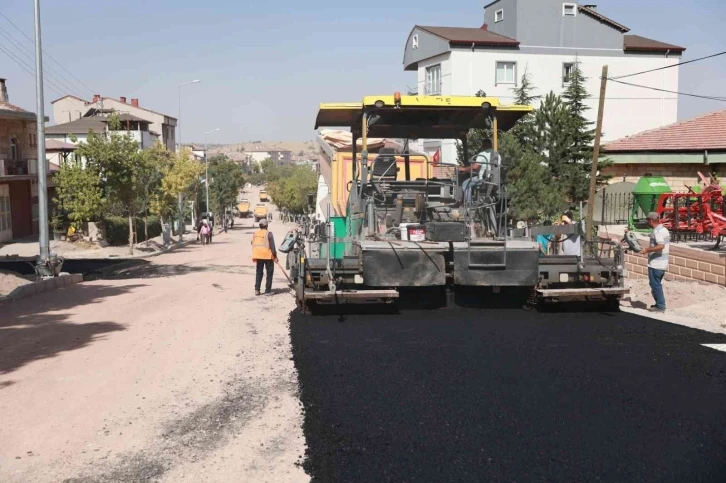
(18, 167)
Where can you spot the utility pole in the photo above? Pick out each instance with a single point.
(596, 154)
(181, 149)
(40, 139)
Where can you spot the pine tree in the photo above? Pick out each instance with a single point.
(524, 96)
(533, 192)
(474, 139)
(583, 136)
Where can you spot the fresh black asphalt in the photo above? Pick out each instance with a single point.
(466, 395)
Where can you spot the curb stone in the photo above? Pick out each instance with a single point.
(43, 286)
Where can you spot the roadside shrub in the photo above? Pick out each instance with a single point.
(117, 229)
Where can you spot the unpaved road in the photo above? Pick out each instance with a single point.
(170, 370)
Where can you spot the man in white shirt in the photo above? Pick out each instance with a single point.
(658, 252)
(476, 170)
(571, 244)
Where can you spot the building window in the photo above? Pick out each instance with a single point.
(499, 15)
(569, 9)
(5, 223)
(567, 69)
(414, 42)
(506, 73)
(433, 80)
(14, 149)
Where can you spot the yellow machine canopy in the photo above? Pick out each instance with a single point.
(420, 117)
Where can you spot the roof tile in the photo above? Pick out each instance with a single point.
(6, 106)
(703, 133)
(460, 35)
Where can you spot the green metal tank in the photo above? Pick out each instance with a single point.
(645, 199)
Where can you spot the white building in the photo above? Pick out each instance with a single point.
(545, 38)
(77, 131)
(70, 108)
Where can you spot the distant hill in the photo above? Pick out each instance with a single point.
(306, 147)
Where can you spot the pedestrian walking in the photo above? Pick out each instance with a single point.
(264, 255)
(205, 231)
(658, 252)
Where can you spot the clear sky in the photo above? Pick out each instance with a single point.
(265, 66)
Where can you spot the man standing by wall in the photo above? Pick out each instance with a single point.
(658, 251)
(265, 255)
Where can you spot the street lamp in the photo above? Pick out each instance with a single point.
(206, 167)
(178, 124)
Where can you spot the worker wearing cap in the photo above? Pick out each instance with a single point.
(265, 255)
(658, 252)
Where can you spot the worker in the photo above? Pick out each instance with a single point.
(265, 255)
(571, 244)
(476, 170)
(544, 241)
(658, 252)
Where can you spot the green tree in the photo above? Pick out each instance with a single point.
(289, 187)
(474, 139)
(226, 181)
(583, 137)
(79, 191)
(115, 156)
(532, 190)
(180, 177)
(153, 165)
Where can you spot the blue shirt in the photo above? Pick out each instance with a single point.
(544, 241)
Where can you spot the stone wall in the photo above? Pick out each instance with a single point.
(678, 176)
(22, 131)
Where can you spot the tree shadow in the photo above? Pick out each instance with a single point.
(145, 269)
(34, 328)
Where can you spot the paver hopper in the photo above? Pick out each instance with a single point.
(645, 199)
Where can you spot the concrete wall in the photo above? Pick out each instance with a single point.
(541, 23)
(429, 45)
(68, 109)
(508, 25)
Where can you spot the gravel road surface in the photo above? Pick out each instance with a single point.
(167, 370)
(500, 395)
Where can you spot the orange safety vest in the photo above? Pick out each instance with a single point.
(261, 246)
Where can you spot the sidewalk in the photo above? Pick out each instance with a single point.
(28, 248)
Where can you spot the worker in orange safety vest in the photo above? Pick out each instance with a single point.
(265, 255)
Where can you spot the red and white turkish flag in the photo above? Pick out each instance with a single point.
(437, 157)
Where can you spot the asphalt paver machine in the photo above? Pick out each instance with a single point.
(402, 234)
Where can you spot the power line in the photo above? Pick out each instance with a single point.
(30, 71)
(47, 54)
(29, 68)
(22, 49)
(712, 98)
(668, 66)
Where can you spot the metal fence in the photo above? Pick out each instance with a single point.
(615, 209)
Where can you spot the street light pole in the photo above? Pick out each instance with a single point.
(178, 124)
(40, 139)
(206, 167)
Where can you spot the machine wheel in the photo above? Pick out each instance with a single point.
(612, 304)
